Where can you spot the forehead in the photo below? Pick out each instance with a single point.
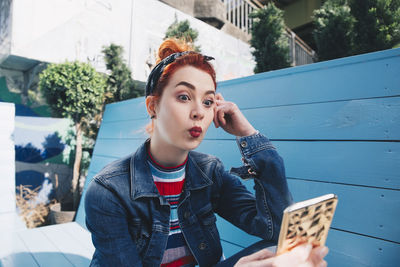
(197, 77)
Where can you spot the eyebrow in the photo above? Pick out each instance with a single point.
(191, 86)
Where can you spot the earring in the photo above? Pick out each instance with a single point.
(153, 116)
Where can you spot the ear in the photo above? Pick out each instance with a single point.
(151, 103)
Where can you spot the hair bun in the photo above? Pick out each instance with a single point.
(171, 46)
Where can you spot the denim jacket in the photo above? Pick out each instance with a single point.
(129, 220)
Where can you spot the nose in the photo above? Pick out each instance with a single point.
(197, 112)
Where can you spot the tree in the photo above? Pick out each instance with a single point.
(73, 90)
(182, 31)
(333, 30)
(120, 85)
(351, 27)
(377, 24)
(271, 48)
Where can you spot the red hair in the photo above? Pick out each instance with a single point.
(169, 47)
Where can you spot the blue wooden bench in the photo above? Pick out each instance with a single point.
(337, 126)
(335, 123)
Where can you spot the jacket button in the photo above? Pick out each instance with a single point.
(202, 246)
(186, 215)
(243, 144)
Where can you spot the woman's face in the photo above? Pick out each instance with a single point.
(185, 110)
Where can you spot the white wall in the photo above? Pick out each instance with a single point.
(54, 31)
(7, 158)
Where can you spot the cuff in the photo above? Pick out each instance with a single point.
(251, 144)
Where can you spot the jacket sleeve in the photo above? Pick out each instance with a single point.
(107, 221)
(258, 215)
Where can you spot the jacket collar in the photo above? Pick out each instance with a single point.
(142, 184)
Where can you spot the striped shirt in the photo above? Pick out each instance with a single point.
(169, 182)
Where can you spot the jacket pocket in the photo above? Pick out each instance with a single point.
(140, 234)
(208, 221)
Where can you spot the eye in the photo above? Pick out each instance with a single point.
(208, 102)
(183, 97)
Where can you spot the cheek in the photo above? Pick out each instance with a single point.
(209, 117)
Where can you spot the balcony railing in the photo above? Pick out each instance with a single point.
(237, 13)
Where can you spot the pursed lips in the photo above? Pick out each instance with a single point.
(195, 131)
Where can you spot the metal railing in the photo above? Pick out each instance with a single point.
(237, 13)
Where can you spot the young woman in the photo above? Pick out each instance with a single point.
(157, 207)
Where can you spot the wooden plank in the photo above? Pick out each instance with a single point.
(382, 225)
(351, 250)
(19, 256)
(367, 119)
(364, 210)
(80, 214)
(77, 250)
(42, 249)
(116, 147)
(361, 163)
(346, 249)
(80, 234)
(383, 204)
(125, 110)
(229, 249)
(340, 79)
(99, 162)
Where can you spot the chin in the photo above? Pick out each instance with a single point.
(192, 145)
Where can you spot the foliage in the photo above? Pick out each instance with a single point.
(377, 24)
(182, 31)
(52, 145)
(28, 153)
(271, 48)
(72, 90)
(120, 85)
(333, 30)
(351, 27)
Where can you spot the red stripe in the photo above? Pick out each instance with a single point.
(167, 189)
(174, 227)
(180, 262)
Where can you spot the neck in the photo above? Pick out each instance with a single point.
(167, 155)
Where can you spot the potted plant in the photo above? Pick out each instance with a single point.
(73, 90)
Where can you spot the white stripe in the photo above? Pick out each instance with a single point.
(166, 180)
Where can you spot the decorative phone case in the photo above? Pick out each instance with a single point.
(307, 221)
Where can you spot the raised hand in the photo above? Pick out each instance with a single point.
(228, 116)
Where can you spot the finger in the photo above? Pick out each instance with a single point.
(296, 256)
(215, 117)
(221, 117)
(317, 254)
(219, 97)
(260, 255)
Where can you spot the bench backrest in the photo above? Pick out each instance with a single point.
(337, 126)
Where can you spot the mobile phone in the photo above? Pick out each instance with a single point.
(307, 221)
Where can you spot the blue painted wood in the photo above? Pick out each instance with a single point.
(351, 250)
(20, 254)
(77, 250)
(42, 249)
(364, 76)
(385, 205)
(361, 163)
(309, 111)
(125, 110)
(367, 119)
(230, 249)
